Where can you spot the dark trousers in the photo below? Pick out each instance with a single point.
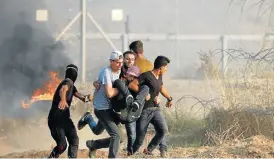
(109, 122)
(118, 102)
(155, 117)
(131, 135)
(60, 130)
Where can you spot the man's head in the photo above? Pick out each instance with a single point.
(71, 72)
(129, 58)
(132, 73)
(116, 60)
(137, 47)
(161, 63)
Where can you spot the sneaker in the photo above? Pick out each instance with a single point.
(135, 106)
(129, 153)
(83, 122)
(129, 100)
(92, 151)
(163, 154)
(147, 152)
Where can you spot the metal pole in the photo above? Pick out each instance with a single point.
(127, 25)
(125, 36)
(125, 42)
(83, 40)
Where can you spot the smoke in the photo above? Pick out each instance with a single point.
(28, 53)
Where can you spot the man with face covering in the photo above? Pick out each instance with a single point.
(59, 121)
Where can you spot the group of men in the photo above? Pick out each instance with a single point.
(127, 92)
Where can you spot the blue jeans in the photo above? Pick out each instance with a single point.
(155, 117)
(131, 136)
(108, 122)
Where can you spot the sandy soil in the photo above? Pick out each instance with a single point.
(254, 147)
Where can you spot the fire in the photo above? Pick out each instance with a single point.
(45, 93)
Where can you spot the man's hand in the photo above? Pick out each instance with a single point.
(169, 104)
(88, 98)
(63, 105)
(96, 85)
(148, 97)
(157, 100)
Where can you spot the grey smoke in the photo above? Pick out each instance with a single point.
(28, 53)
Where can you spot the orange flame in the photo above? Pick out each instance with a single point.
(45, 93)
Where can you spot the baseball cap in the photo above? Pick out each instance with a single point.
(134, 71)
(116, 55)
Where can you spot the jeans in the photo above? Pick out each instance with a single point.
(154, 116)
(108, 121)
(118, 102)
(131, 136)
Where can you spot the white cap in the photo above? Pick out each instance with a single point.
(116, 55)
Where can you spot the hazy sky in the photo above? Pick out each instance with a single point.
(164, 16)
(159, 16)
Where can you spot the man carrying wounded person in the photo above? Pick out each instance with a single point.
(128, 61)
(151, 112)
(107, 119)
(127, 105)
(145, 66)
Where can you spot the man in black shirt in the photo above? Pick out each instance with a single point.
(151, 112)
(59, 121)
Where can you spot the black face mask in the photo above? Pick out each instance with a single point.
(71, 73)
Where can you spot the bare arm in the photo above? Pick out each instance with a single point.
(63, 92)
(163, 91)
(110, 92)
(168, 97)
(84, 98)
(63, 102)
(134, 85)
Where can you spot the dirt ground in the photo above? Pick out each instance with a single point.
(254, 147)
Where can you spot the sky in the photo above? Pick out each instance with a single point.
(199, 17)
(220, 17)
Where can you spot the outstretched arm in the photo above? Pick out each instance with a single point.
(84, 98)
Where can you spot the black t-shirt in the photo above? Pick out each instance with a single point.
(154, 84)
(55, 112)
